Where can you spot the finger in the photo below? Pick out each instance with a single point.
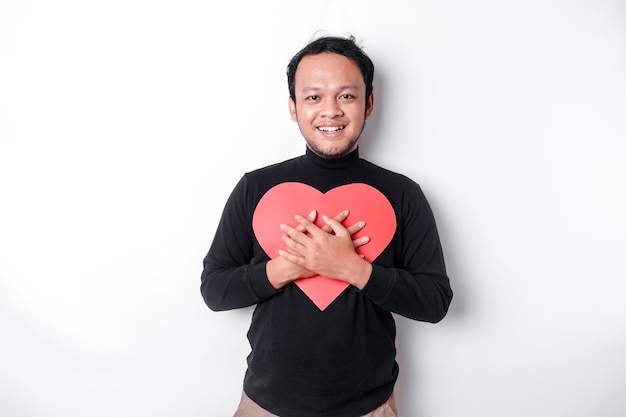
(309, 226)
(291, 258)
(342, 216)
(356, 227)
(312, 215)
(293, 233)
(339, 217)
(360, 241)
(337, 227)
(292, 246)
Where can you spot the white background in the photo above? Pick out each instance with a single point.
(124, 125)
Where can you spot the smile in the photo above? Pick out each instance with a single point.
(330, 129)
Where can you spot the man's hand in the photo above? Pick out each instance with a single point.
(331, 254)
(281, 271)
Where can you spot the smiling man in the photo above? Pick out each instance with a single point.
(326, 246)
(332, 103)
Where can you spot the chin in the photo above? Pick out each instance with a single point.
(332, 152)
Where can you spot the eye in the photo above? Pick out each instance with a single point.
(346, 96)
(312, 98)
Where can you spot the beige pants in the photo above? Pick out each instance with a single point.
(248, 408)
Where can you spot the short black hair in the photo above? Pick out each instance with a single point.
(336, 45)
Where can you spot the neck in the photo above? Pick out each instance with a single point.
(348, 160)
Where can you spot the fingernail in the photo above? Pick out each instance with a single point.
(365, 239)
(361, 225)
(312, 213)
(325, 218)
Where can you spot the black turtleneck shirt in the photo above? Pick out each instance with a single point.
(339, 362)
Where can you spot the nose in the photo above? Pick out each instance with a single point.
(331, 108)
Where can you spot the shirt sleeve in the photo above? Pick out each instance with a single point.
(230, 278)
(418, 287)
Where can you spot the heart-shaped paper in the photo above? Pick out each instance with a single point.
(365, 203)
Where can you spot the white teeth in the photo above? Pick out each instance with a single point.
(330, 129)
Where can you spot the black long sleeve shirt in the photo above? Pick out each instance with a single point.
(338, 362)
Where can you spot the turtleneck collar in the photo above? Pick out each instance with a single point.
(350, 160)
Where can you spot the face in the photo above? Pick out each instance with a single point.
(330, 106)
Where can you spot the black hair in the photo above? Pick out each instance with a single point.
(336, 45)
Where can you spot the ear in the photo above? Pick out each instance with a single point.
(369, 106)
(292, 110)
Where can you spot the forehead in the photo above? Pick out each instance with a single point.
(328, 70)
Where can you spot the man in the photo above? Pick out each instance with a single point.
(327, 246)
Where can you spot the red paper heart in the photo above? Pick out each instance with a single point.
(280, 204)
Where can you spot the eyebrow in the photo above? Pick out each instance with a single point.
(343, 87)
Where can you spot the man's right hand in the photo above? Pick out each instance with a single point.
(280, 271)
